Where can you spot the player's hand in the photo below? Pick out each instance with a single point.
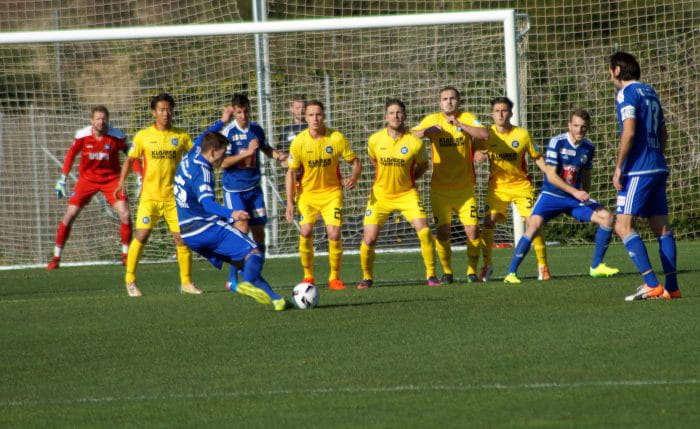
(581, 195)
(350, 183)
(237, 215)
(252, 147)
(480, 155)
(226, 114)
(60, 187)
(282, 157)
(289, 213)
(119, 190)
(617, 178)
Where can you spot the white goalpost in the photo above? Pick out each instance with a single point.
(352, 64)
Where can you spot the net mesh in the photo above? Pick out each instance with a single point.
(46, 91)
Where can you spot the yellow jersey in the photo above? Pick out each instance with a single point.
(161, 152)
(453, 162)
(396, 162)
(507, 151)
(319, 160)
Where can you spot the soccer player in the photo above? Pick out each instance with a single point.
(241, 178)
(316, 151)
(297, 107)
(204, 223)
(399, 159)
(509, 182)
(99, 170)
(452, 186)
(161, 146)
(569, 159)
(640, 176)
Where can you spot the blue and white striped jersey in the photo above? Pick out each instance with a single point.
(570, 159)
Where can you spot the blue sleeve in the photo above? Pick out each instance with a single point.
(213, 207)
(552, 155)
(213, 128)
(589, 162)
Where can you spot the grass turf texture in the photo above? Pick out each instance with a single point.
(76, 351)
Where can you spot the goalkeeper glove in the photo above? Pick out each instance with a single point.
(60, 187)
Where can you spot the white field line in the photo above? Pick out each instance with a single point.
(379, 389)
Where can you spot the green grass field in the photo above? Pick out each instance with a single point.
(75, 351)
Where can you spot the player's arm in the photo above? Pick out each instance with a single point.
(420, 170)
(290, 180)
(73, 151)
(626, 139)
(480, 133)
(663, 135)
(351, 181)
(126, 169)
(557, 181)
(232, 160)
(274, 154)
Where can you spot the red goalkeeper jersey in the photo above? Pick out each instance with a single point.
(99, 161)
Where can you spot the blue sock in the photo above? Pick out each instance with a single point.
(667, 252)
(519, 253)
(602, 239)
(638, 254)
(233, 278)
(252, 273)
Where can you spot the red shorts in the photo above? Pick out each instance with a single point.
(85, 189)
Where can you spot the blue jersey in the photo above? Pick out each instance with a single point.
(197, 209)
(570, 160)
(639, 101)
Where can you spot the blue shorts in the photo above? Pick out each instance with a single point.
(549, 207)
(220, 243)
(252, 201)
(643, 196)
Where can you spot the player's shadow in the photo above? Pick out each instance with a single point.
(363, 304)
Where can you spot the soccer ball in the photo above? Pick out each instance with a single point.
(305, 295)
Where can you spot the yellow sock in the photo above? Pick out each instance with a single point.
(540, 248)
(306, 251)
(184, 261)
(367, 260)
(487, 245)
(132, 260)
(444, 251)
(335, 257)
(427, 251)
(473, 251)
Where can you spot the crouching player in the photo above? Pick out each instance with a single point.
(565, 190)
(399, 158)
(203, 224)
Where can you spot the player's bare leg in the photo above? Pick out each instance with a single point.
(125, 232)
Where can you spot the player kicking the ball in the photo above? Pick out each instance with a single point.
(569, 159)
(204, 227)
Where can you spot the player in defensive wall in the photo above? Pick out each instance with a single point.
(241, 177)
(161, 146)
(509, 182)
(316, 151)
(568, 164)
(399, 159)
(297, 107)
(99, 170)
(452, 186)
(204, 223)
(640, 176)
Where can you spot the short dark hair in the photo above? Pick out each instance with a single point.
(298, 97)
(316, 103)
(629, 67)
(163, 96)
(451, 88)
(99, 108)
(239, 99)
(394, 102)
(214, 141)
(581, 114)
(502, 100)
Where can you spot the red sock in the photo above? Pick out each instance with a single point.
(62, 234)
(125, 232)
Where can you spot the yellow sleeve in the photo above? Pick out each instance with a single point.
(187, 142)
(421, 154)
(471, 120)
(427, 122)
(294, 160)
(370, 147)
(531, 149)
(136, 149)
(346, 151)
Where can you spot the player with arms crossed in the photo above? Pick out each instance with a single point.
(316, 151)
(161, 146)
(509, 182)
(399, 159)
(241, 178)
(452, 186)
(99, 170)
(569, 160)
(204, 227)
(640, 176)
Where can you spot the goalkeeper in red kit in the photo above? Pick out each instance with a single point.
(99, 170)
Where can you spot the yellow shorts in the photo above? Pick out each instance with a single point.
(329, 206)
(151, 211)
(498, 198)
(409, 204)
(461, 201)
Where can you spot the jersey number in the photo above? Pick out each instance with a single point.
(653, 116)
